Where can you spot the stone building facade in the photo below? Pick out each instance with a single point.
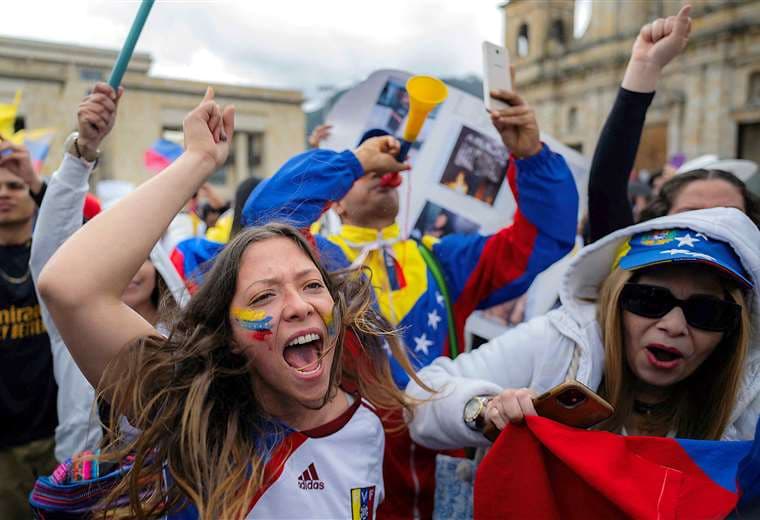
(707, 102)
(53, 78)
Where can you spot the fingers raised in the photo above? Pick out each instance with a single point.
(209, 96)
(509, 97)
(228, 121)
(682, 22)
(658, 29)
(646, 33)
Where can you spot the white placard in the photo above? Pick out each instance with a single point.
(457, 162)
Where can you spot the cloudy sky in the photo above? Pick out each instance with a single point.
(301, 44)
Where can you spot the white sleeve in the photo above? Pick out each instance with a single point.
(507, 361)
(60, 216)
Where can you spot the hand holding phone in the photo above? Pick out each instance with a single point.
(570, 403)
(496, 74)
(573, 404)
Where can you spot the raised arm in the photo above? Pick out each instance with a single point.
(60, 216)
(305, 186)
(486, 270)
(656, 45)
(83, 282)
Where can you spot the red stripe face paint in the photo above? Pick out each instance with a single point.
(261, 335)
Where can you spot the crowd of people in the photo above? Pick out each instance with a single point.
(264, 370)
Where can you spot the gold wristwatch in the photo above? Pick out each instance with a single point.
(474, 412)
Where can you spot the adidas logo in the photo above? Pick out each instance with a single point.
(309, 479)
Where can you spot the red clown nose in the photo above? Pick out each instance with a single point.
(391, 180)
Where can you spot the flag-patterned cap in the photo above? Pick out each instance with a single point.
(680, 245)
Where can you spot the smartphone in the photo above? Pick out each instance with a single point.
(573, 404)
(496, 74)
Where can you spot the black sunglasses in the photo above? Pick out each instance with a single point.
(701, 311)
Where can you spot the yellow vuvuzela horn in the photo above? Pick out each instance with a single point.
(425, 93)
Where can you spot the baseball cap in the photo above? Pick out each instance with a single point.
(663, 246)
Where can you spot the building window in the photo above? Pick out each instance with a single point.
(753, 94)
(557, 32)
(749, 148)
(572, 119)
(523, 43)
(226, 171)
(90, 75)
(255, 152)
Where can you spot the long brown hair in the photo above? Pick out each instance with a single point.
(204, 437)
(702, 403)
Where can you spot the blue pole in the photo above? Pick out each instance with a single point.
(404, 151)
(117, 73)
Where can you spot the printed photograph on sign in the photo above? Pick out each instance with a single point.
(390, 110)
(477, 166)
(439, 222)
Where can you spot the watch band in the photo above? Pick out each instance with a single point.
(71, 145)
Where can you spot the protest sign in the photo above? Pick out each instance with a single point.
(458, 161)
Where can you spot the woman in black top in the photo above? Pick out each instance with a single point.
(609, 208)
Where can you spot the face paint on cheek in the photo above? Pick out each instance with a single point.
(256, 321)
(330, 323)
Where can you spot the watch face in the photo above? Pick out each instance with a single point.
(472, 409)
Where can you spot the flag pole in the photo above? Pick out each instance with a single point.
(117, 73)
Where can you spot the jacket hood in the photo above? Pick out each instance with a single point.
(593, 263)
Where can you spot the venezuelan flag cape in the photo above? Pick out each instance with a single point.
(544, 471)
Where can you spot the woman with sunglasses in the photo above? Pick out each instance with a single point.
(657, 318)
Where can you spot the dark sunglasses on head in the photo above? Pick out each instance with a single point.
(701, 311)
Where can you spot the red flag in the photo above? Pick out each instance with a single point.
(544, 471)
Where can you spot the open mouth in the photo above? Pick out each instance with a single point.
(663, 357)
(304, 353)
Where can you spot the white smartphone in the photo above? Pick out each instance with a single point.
(496, 74)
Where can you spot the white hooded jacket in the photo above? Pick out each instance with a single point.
(60, 216)
(538, 354)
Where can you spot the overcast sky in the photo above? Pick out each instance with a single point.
(300, 44)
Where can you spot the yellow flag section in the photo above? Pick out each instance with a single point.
(397, 294)
(362, 503)
(8, 113)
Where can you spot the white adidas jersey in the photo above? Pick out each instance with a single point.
(333, 471)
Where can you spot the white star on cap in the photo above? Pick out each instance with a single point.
(433, 319)
(687, 240)
(422, 344)
(439, 298)
(686, 252)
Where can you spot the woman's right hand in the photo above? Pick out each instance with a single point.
(208, 130)
(664, 39)
(510, 406)
(656, 46)
(378, 155)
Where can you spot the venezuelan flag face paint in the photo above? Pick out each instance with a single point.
(330, 323)
(257, 322)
